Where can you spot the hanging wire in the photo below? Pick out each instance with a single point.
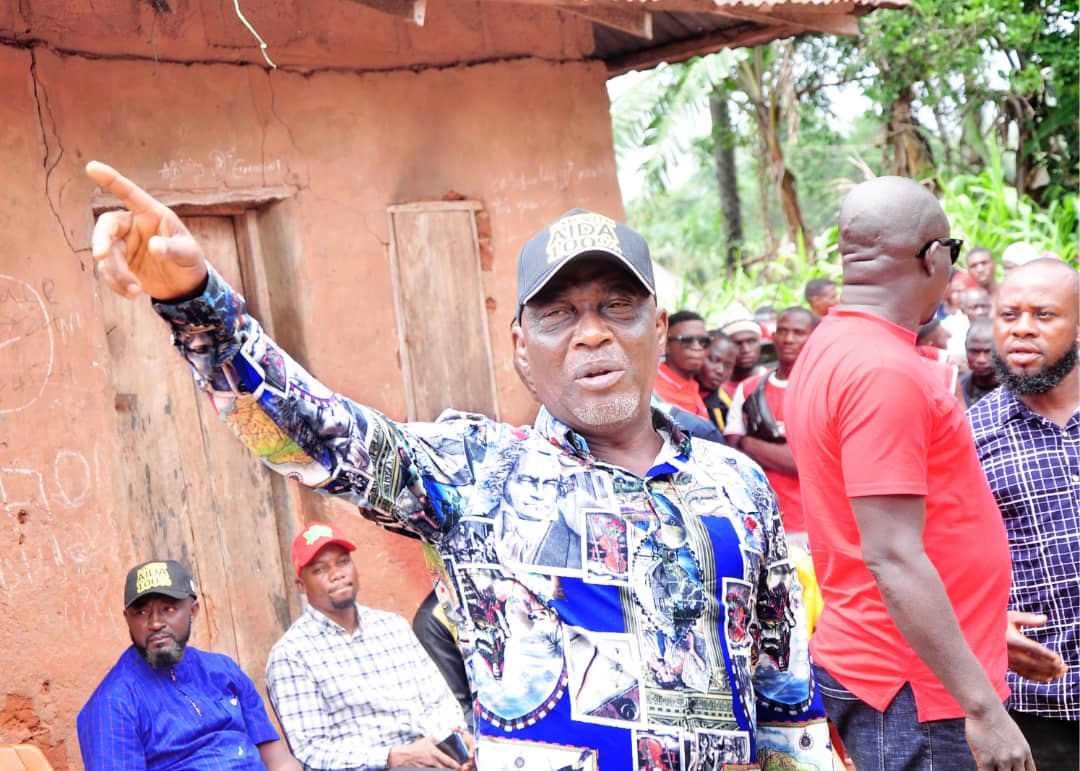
(262, 43)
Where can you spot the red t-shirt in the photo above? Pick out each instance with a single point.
(683, 392)
(786, 486)
(865, 416)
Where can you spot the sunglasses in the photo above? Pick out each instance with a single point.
(690, 341)
(953, 244)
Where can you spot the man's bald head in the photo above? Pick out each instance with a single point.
(893, 216)
(892, 265)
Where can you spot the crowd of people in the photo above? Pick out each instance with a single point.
(629, 579)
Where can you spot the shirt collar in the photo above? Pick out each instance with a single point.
(1012, 409)
(328, 624)
(564, 437)
(896, 330)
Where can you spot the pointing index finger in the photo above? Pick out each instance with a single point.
(133, 197)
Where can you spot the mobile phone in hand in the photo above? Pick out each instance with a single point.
(454, 746)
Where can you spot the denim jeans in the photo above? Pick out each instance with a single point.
(893, 740)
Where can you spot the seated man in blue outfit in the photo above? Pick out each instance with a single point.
(654, 603)
(165, 705)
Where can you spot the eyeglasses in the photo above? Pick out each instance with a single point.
(691, 341)
(953, 244)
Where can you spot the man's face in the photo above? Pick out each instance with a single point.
(534, 491)
(979, 355)
(686, 357)
(588, 346)
(981, 268)
(747, 349)
(329, 580)
(975, 303)
(824, 300)
(955, 294)
(718, 366)
(1035, 331)
(160, 627)
(792, 331)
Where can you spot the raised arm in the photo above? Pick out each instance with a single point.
(292, 422)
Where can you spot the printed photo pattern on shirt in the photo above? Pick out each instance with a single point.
(608, 621)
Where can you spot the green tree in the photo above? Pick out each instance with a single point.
(976, 67)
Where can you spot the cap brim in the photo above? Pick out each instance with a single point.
(618, 259)
(176, 594)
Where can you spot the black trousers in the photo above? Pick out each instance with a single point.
(1055, 744)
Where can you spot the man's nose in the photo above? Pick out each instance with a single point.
(591, 330)
(1024, 325)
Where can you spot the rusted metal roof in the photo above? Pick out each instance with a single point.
(681, 29)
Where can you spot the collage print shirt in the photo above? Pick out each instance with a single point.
(608, 621)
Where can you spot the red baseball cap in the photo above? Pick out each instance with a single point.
(312, 539)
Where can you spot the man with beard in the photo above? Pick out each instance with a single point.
(351, 685)
(981, 377)
(910, 649)
(165, 705)
(1027, 434)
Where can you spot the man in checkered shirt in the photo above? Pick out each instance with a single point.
(351, 685)
(1027, 433)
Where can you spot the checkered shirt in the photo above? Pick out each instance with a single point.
(344, 700)
(1033, 467)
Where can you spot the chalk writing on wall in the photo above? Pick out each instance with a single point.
(31, 495)
(217, 166)
(27, 347)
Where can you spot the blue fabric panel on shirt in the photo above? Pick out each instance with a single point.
(595, 607)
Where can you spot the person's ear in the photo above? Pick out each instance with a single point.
(929, 257)
(521, 357)
(194, 608)
(661, 328)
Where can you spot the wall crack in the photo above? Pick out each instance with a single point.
(48, 162)
(305, 72)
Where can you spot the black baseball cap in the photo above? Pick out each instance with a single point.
(166, 577)
(580, 233)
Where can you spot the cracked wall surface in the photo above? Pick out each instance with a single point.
(528, 138)
(307, 37)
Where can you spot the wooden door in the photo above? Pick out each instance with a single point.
(442, 317)
(186, 488)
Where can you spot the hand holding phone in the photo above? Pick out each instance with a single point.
(454, 746)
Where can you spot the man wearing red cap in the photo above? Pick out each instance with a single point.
(351, 685)
(685, 620)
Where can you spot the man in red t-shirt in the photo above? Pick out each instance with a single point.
(758, 429)
(907, 541)
(684, 355)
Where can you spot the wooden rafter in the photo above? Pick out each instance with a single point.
(410, 10)
(742, 35)
(632, 20)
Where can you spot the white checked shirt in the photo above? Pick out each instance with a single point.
(344, 700)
